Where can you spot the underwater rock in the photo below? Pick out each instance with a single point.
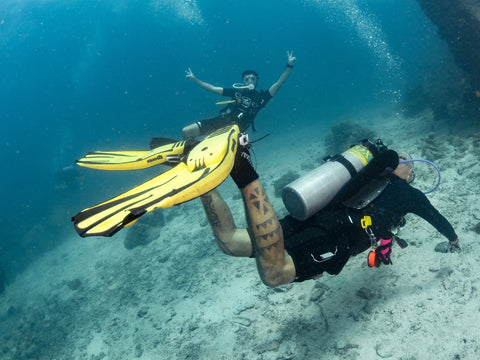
(12, 310)
(100, 356)
(432, 147)
(458, 22)
(345, 347)
(317, 294)
(74, 284)
(459, 143)
(345, 134)
(280, 183)
(477, 228)
(142, 312)
(139, 235)
(444, 272)
(203, 222)
(445, 95)
(138, 350)
(268, 346)
(318, 291)
(385, 350)
(242, 320)
(365, 293)
(442, 247)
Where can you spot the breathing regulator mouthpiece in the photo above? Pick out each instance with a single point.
(243, 86)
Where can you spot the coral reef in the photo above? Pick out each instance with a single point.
(474, 137)
(444, 91)
(344, 134)
(74, 284)
(286, 179)
(458, 22)
(432, 147)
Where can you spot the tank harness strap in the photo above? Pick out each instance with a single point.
(350, 168)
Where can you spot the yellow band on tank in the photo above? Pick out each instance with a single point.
(362, 153)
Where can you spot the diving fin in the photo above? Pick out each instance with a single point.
(208, 164)
(132, 160)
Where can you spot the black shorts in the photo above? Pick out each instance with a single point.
(316, 249)
(210, 125)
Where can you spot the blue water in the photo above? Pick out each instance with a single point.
(91, 75)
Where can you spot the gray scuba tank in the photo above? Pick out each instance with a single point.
(313, 191)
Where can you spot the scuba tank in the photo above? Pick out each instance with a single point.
(315, 190)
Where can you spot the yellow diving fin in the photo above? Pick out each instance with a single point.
(133, 160)
(208, 164)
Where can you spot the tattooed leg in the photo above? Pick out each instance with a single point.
(275, 266)
(232, 241)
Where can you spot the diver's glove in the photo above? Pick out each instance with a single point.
(454, 246)
(384, 251)
(243, 172)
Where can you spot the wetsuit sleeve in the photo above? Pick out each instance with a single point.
(266, 96)
(423, 208)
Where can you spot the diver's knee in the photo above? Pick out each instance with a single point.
(191, 131)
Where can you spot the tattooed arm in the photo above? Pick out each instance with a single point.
(274, 264)
(232, 241)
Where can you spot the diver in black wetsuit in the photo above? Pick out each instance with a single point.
(244, 105)
(338, 229)
(293, 250)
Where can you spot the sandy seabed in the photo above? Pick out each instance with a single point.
(179, 297)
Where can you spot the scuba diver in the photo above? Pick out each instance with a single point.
(244, 105)
(295, 250)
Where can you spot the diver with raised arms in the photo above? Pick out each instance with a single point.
(244, 104)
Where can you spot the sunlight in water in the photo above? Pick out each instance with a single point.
(368, 32)
(187, 10)
(365, 26)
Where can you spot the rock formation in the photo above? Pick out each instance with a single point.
(458, 22)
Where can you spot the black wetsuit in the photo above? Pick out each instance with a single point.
(326, 241)
(243, 111)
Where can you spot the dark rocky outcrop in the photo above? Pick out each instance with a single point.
(458, 22)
